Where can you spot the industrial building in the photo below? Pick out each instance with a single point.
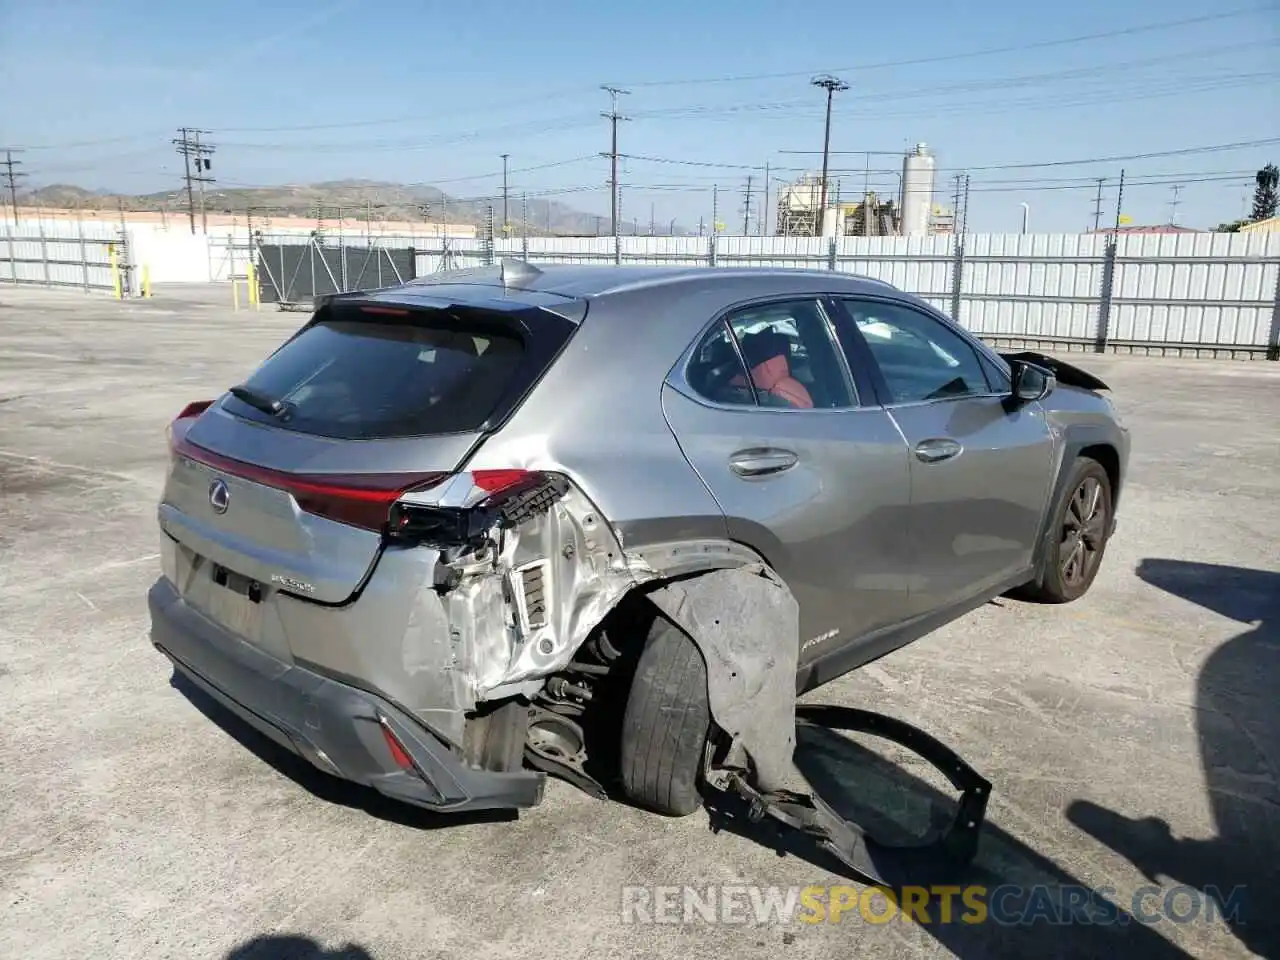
(912, 213)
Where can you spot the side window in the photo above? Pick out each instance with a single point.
(791, 357)
(998, 379)
(920, 358)
(716, 371)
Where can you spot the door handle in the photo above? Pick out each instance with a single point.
(937, 449)
(760, 462)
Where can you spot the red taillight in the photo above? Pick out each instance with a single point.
(385, 311)
(194, 409)
(495, 481)
(361, 500)
(398, 753)
(182, 422)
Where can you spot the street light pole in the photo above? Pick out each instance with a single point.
(831, 85)
(1026, 214)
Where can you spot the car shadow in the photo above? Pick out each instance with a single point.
(288, 947)
(329, 788)
(897, 807)
(1238, 728)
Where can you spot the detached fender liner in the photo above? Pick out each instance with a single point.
(336, 727)
(745, 623)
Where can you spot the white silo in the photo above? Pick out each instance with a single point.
(917, 190)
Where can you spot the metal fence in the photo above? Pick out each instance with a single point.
(67, 253)
(1211, 294)
(293, 271)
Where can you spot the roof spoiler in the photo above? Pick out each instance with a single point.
(509, 271)
(324, 299)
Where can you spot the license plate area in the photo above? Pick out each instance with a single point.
(235, 601)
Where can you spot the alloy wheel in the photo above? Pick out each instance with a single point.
(1083, 533)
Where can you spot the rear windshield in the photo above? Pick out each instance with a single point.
(363, 380)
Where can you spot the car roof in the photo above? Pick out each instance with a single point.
(590, 281)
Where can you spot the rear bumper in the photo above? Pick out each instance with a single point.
(333, 725)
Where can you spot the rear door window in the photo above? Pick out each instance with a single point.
(364, 379)
(791, 360)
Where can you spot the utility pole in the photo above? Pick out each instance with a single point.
(506, 220)
(831, 85)
(1173, 205)
(12, 176)
(1097, 205)
(746, 210)
(955, 205)
(652, 219)
(613, 116)
(762, 221)
(715, 208)
(188, 144)
(1119, 202)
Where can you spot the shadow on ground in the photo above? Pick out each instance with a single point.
(294, 948)
(320, 784)
(1238, 727)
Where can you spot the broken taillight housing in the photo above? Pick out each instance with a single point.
(506, 498)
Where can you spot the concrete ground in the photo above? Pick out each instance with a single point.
(1132, 734)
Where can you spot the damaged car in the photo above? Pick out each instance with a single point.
(606, 523)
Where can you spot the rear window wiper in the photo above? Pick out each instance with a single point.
(260, 401)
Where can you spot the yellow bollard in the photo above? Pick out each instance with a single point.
(253, 286)
(146, 280)
(115, 271)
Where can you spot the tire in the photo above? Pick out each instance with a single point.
(665, 725)
(1061, 582)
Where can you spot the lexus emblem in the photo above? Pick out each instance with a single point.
(219, 496)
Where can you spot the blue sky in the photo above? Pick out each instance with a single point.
(435, 92)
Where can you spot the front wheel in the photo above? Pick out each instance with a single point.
(1081, 524)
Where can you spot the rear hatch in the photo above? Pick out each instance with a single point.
(285, 483)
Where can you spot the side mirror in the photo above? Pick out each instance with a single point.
(1031, 383)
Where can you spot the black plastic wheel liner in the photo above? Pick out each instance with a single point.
(882, 864)
(745, 622)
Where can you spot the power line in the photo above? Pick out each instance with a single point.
(968, 54)
(12, 176)
(788, 110)
(530, 169)
(189, 145)
(1181, 152)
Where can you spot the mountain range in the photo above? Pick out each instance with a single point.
(358, 199)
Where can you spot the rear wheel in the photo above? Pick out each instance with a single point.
(1081, 524)
(665, 726)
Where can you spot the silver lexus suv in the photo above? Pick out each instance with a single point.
(419, 544)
